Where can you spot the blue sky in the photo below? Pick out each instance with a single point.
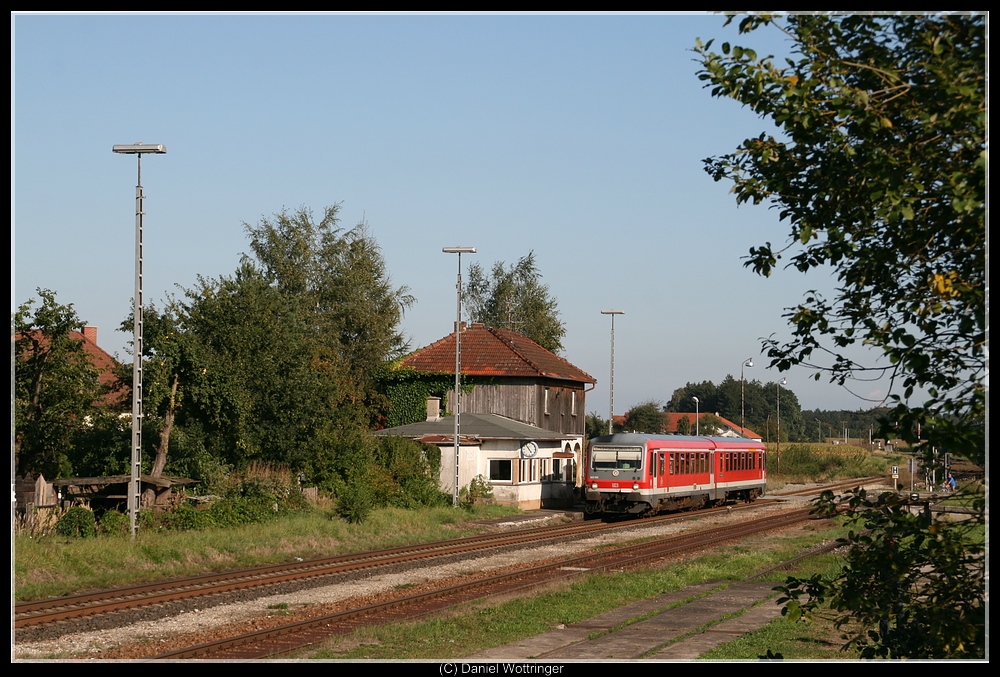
(578, 137)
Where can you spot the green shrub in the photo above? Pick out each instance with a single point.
(113, 523)
(479, 491)
(78, 522)
(355, 500)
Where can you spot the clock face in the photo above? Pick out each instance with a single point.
(529, 449)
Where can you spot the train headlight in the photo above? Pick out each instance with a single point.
(635, 486)
(593, 485)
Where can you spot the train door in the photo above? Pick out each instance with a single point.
(662, 475)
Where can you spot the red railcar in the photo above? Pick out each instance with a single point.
(637, 474)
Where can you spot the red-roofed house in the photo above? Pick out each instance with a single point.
(523, 421)
(104, 363)
(672, 419)
(512, 376)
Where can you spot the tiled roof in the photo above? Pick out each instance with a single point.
(672, 418)
(488, 351)
(99, 358)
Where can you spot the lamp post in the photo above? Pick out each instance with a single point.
(458, 356)
(696, 402)
(777, 393)
(746, 363)
(611, 412)
(138, 149)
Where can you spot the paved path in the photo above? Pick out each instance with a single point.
(670, 632)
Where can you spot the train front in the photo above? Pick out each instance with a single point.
(617, 478)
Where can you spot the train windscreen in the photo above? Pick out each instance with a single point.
(616, 458)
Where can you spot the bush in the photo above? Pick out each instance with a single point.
(355, 500)
(479, 491)
(113, 523)
(78, 522)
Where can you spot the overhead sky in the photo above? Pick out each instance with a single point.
(578, 137)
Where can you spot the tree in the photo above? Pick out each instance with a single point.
(709, 424)
(339, 282)
(909, 588)
(646, 417)
(276, 362)
(706, 392)
(56, 387)
(514, 298)
(684, 426)
(879, 169)
(595, 425)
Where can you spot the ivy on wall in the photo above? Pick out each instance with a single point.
(408, 389)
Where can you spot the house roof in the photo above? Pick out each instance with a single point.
(489, 351)
(672, 418)
(99, 358)
(473, 426)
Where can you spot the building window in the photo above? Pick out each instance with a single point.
(572, 403)
(545, 403)
(529, 470)
(500, 470)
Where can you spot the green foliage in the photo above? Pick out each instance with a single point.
(817, 463)
(910, 587)
(77, 522)
(709, 424)
(56, 388)
(114, 523)
(646, 417)
(684, 426)
(272, 363)
(340, 280)
(761, 401)
(879, 169)
(480, 490)
(595, 425)
(407, 390)
(514, 298)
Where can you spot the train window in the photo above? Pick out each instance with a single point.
(662, 463)
(616, 458)
(500, 470)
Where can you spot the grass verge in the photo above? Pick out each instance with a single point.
(468, 631)
(55, 565)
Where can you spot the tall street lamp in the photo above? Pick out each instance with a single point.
(696, 403)
(611, 412)
(777, 394)
(138, 149)
(746, 363)
(458, 356)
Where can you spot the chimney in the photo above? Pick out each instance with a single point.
(90, 333)
(433, 408)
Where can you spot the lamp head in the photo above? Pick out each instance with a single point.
(139, 148)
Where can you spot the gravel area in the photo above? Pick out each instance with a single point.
(194, 625)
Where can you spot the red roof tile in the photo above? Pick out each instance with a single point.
(488, 351)
(99, 358)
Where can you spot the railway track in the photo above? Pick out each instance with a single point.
(305, 572)
(323, 571)
(284, 639)
(833, 486)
